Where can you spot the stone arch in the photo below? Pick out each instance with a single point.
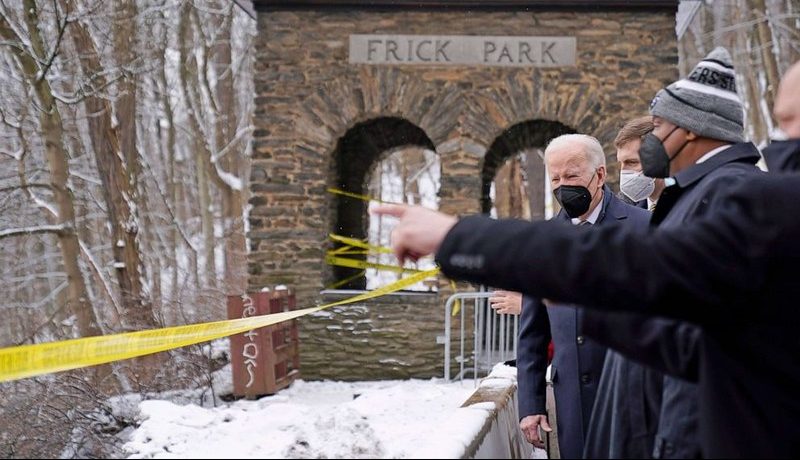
(356, 152)
(517, 138)
(379, 92)
(550, 94)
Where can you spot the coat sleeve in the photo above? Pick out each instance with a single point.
(664, 344)
(534, 337)
(708, 267)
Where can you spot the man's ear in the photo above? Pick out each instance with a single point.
(601, 175)
(690, 136)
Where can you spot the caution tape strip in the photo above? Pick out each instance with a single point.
(346, 280)
(357, 196)
(45, 358)
(457, 304)
(354, 242)
(363, 264)
(350, 243)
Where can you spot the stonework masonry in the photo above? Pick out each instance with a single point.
(308, 95)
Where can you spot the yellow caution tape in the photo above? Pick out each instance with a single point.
(350, 245)
(356, 263)
(354, 246)
(357, 196)
(354, 242)
(349, 251)
(346, 280)
(45, 358)
(457, 303)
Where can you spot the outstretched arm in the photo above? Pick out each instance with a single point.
(707, 267)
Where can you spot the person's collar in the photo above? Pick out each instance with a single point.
(595, 214)
(744, 152)
(711, 153)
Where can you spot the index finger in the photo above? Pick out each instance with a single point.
(396, 210)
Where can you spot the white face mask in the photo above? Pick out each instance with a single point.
(636, 185)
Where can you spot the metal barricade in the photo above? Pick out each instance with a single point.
(494, 335)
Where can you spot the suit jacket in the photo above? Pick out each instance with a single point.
(577, 362)
(733, 271)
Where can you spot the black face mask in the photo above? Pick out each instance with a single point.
(654, 157)
(783, 156)
(574, 199)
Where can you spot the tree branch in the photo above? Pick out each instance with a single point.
(104, 280)
(23, 186)
(62, 26)
(56, 229)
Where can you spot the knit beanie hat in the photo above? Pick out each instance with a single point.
(705, 102)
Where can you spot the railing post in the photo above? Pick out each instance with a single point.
(461, 337)
(485, 338)
(447, 337)
(475, 338)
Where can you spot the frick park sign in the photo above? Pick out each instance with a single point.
(507, 51)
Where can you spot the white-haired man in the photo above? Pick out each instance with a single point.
(577, 167)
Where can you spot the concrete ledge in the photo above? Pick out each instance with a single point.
(500, 436)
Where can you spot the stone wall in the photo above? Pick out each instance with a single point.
(308, 96)
(391, 337)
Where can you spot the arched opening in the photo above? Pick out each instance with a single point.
(513, 182)
(409, 175)
(384, 158)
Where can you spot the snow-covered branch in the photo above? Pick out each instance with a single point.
(56, 229)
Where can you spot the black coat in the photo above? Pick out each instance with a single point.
(577, 362)
(696, 192)
(625, 414)
(733, 271)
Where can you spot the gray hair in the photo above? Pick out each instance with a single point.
(589, 145)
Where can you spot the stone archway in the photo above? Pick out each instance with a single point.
(519, 138)
(317, 101)
(356, 152)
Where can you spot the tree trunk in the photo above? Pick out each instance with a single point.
(707, 38)
(749, 92)
(125, 48)
(225, 130)
(202, 151)
(206, 222)
(764, 43)
(118, 172)
(793, 47)
(173, 191)
(534, 167)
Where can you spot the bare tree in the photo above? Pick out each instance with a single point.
(34, 64)
(763, 38)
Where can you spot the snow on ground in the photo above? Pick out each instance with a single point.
(380, 419)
